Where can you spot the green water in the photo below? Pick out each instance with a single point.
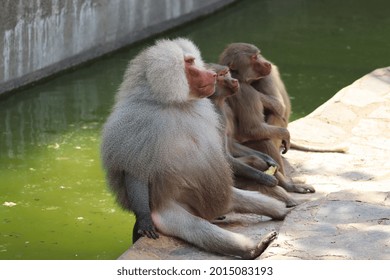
(50, 132)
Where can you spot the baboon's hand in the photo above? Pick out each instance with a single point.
(285, 140)
(146, 228)
(270, 161)
(269, 180)
(285, 145)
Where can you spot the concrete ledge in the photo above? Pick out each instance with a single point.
(349, 215)
(40, 38)
(168, 248)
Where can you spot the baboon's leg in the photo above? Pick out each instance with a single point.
(176, 221)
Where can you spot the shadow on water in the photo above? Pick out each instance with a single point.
(50, 132)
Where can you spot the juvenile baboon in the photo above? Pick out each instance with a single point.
(247, 163)
(246, 65)
(164, 155)
(248, 105)
(273, 87)
(278, 114)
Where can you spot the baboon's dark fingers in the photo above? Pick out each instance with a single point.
(285, 146)
(305, 189)
(149, 233)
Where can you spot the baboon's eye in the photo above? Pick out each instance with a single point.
(189, 60)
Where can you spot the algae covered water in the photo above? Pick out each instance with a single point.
(54, 203)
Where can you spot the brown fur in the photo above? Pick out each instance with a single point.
(249, 107)
(246, 165)
(272, 86)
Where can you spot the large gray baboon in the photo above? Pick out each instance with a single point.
(248, 105)
(164, 157)
(247, 163)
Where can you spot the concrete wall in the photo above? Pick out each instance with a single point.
(42, 37)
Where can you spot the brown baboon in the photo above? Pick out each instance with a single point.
(273, 87)
(247, 65)
(247, 163)
(164, 155)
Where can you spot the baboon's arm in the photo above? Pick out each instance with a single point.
(138, 194)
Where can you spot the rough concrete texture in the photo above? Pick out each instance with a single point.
(168, 248)
(349, 215)
(41, 37)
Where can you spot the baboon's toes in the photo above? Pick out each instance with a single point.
(291, 203)
(262, 245)
(265, 241)
(220, 218)
(305, 189)
(310, 189)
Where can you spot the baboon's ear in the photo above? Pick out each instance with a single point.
(254, 56)
(232, 66)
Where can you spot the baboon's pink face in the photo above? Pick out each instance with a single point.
(261, 66)
(201, 81)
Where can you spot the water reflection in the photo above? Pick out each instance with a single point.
(50, 168)
(45, 111)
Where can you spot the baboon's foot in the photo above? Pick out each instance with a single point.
(262, 245)
(304, 189)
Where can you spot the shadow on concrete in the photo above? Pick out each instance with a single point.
(343, 225)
